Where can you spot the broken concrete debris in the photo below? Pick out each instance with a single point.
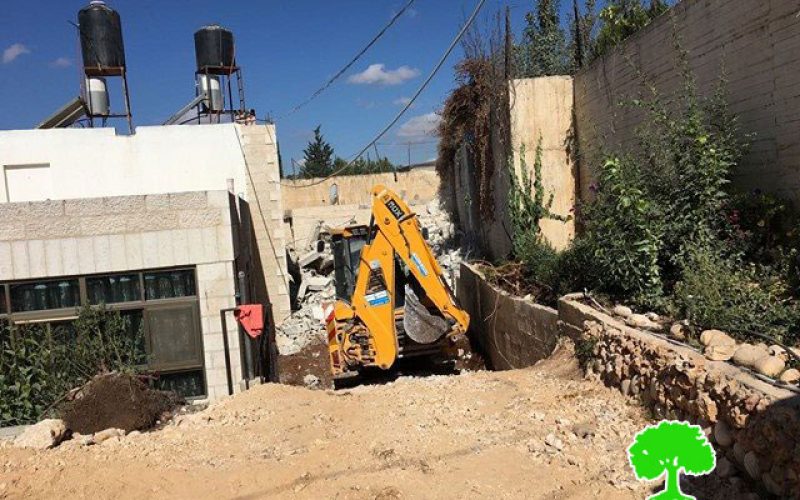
(316, 294)
(45, 434)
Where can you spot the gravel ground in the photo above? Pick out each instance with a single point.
(542, 432)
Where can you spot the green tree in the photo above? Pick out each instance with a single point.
(544, 48)
(582, 28)
(623, 18)
(318, 157)
(671, 448)
(360, 166)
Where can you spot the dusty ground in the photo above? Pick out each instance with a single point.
(476, 435)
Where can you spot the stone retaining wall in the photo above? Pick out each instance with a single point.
(513, 332)
(754, 425)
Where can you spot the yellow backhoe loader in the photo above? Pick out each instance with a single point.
(393, 301)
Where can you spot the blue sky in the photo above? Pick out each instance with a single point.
(287, 49)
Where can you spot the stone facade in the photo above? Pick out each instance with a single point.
(269, 278)
(131, 233)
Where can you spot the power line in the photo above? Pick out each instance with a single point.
(411, 101)
(406, 143)
(350, 64)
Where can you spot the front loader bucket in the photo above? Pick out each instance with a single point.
(420, 325)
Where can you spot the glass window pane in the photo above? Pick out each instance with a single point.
(186, 384)
(134, 327)
(57, 294)
(169, 284)
(174, 336)
(113, 289)
(3, 299)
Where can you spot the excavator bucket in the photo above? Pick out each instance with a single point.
(420, 325)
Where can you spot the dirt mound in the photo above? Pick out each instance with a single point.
(311, 360)
(118, 401)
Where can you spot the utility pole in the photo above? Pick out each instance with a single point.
(409, 155)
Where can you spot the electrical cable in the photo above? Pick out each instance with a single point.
(408, 105)
(350, 64)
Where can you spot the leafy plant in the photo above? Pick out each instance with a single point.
(30, 374)
(528, 205)
(623, 234)
(621, 19)
(360, 166)
(104, 342)
(736, 296)
(543, 51)
(39, 363)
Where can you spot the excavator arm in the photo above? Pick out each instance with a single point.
(396, 233)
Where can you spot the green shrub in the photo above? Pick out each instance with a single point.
(103, 342)
(736, 296)
(623, 234)
(669, 193)
(39, 363)
(30, 374)
(528, 205)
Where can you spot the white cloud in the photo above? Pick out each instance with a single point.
(420, 128)
(378, 74)
(14, 52)
(364, 103)
(61, 62)
(401, 101)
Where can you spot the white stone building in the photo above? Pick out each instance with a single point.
(157, 225)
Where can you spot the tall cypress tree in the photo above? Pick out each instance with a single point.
(318, 157)
(544, 50)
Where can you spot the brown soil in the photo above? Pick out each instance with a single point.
(313, 359)
(118, 401)
(475, 435)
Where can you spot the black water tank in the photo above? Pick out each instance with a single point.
(214, 49)
(101, 39)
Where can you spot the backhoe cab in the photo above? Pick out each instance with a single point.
(392, 300)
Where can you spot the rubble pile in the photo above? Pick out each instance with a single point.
(316, 292)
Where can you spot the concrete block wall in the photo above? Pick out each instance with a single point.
(129, 233)
(753, 45)
(263, 195)
(419, 185)
(512, 332)
(541, 108)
